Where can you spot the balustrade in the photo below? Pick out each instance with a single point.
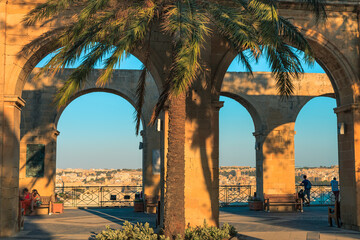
(121, 196)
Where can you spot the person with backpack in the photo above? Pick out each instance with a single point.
(307, 186)
(335, 188)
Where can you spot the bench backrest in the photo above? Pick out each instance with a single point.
(281, 197)
(151, 199)
(45, 200)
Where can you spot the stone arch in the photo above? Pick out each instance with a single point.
(308, 99)
(29, 58)
(309, 140)
(40, 118)
(46, 87)
(93, 90)
(335, 64)
(255, 116)
(344, 84)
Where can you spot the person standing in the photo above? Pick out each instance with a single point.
(307, 186)
(335, 188)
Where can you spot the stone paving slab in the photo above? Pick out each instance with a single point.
(312, 224)
(78, 223)
(82, 223)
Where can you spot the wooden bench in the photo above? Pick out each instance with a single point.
(283, 200)
(334, 213)
(112, 203)
(151, 203)
(45, 203)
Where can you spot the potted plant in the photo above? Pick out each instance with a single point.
(138, 203)
(58, 207)
(255, 203)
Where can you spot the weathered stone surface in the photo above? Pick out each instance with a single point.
(335, 45)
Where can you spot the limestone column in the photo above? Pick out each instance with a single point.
(9, 162)
(349, 164)
(259, 140)
(151, 161)
(192, 169)
(275, 161)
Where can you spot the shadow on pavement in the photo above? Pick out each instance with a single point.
(312, 221)
(120, 215)
(32, 229)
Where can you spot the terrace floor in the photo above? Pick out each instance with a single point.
(84, 223)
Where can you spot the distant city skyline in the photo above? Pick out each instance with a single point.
(94, 134)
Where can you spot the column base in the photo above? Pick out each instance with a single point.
(351, 227)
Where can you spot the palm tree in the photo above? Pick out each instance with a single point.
(115, 28)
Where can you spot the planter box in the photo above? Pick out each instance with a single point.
(57, 207)
(256, 205)
(138, 206)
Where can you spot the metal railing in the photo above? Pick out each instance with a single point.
(320, 195)
(98, 196)
(119, 196)
(235, 195)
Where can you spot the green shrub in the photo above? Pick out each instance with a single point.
(144, 232)
(209, 233)
(130, 231)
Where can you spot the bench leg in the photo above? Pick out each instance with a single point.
(337, 220)
(330, 221)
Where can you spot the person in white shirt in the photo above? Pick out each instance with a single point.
(335, 188)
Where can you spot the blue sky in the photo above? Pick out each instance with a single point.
(97, 130)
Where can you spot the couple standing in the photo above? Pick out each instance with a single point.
(307, 186)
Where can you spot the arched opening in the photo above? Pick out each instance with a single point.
(236, 153)
(316, 152)
(39, 131)
(98, 126)
(236, 139)
(274, 130)
(97, 147)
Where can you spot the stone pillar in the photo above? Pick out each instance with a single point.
(9, 164)
(275, 161)
(259, 141)
(151, 161)
(44, 136)
(192, 171)
(349, 165)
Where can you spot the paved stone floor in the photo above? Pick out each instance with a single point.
(83, 223)
(310, 225)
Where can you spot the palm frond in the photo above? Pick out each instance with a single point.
(140, 96)
(105, 27)
(187, 25)
(49, 9)
(163, 99)
(285, 66)
(297, 40)
(318, 7)
(78, 77)
(238, 29)
(43, 40)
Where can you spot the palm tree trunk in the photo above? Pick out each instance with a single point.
(174, 202)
